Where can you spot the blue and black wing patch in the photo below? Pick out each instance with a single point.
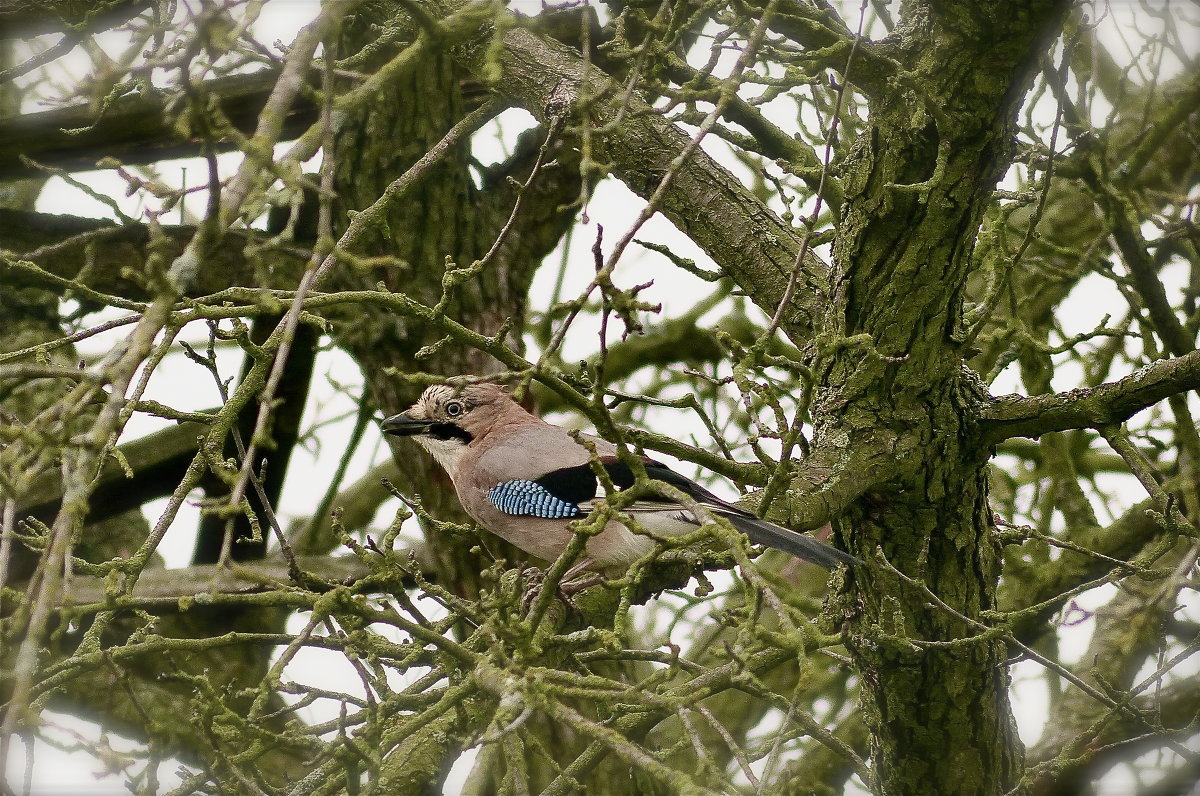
(559, 494)
(568, 493)
(530, 498)
(578, 484)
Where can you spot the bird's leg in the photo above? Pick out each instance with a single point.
(575, 580)
(534, 578)
(578, 578)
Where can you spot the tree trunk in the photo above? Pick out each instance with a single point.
(891, 380)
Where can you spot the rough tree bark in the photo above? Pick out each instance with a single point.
(894, 394)
(893, 375)
(912, 267)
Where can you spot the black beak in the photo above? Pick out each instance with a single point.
(402, 425)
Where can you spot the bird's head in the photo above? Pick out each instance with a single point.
(447, 418)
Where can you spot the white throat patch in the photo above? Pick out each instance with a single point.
(446, 452)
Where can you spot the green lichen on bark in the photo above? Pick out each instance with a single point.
(916, 189)
(931, 268)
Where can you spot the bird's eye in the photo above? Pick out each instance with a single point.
(454, 409)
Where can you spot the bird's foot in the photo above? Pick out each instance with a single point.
(574, 581)
(534, 579)
(573, 584)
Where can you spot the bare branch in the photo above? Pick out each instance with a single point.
(138, 129)
(705, 200)
(169, 585)
(62, 246)
(1115, 402)
(22, 18)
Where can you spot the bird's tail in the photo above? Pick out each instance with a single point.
(797, 544)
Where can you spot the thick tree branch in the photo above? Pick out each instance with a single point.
(138, 129)
(25, 18)
(1048, 585)
(214, 580)
(829, 479)
(827, 41)
(1115, 402)
(706, 201)
(114, 256)
(770, 140)
(157, 461)
(1083, 740)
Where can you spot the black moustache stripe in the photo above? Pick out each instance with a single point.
(449, 431)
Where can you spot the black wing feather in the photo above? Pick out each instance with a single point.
(573, 484)
(800, 545)
(759, 530)
(578, 485)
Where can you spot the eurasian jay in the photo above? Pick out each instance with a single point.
(524, 479)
